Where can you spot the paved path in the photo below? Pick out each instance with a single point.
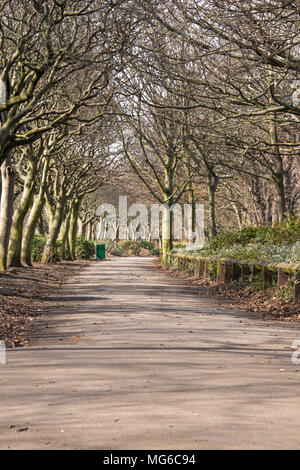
(130, 358)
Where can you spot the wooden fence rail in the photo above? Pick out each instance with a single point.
(229, 270)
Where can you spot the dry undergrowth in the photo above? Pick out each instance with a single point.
(21, 297)
(263, 303)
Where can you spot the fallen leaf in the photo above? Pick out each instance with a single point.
(21, 429)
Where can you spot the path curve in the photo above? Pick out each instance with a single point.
(129, 358)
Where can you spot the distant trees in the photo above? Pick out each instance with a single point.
(236, 64)
(199, 98)
(153, 144)
(58, 65)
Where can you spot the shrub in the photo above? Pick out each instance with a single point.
(129, 247)
(57, 254)
(227, 239)
(256, 281)
(177, 246)
(258, 251)
(84, 249)
(255, 252)
(65, 254)
(146, 245)
(38, 245)
(191, 267)
(280, 243)
(150, 247)
(113, 248)
(196, 251)
(285, 233)
(213, 270)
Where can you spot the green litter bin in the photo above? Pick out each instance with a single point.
(100, 251)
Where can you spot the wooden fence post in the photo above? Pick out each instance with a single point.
(297, 284)
(297, 289)
(283, 278)
(220, 272)
(224, 272)
(229, 270)
(228, 266)
(236, 271)
(202, 268)
(206, 273)
(197, 268)
(267, 278)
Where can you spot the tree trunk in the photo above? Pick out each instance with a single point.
(63, 235)
(34, 216)
(89, 231)
(191, 200)
(29, 230)
(280, 197)
(80, 227)
(94, 232)
(73, 227)
(15, 243)
(167, 244)
(239, 214)
(6, 209)
(41, 226)
(83, 231)
(279, 172)
(212, 188)
(50, 247)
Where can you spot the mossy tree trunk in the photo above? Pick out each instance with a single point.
(34, 216)
(15, 242)
(63, 235)
(73, 226)
(212, 188)
(167, 243)
(49, 253)
(6, 209)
